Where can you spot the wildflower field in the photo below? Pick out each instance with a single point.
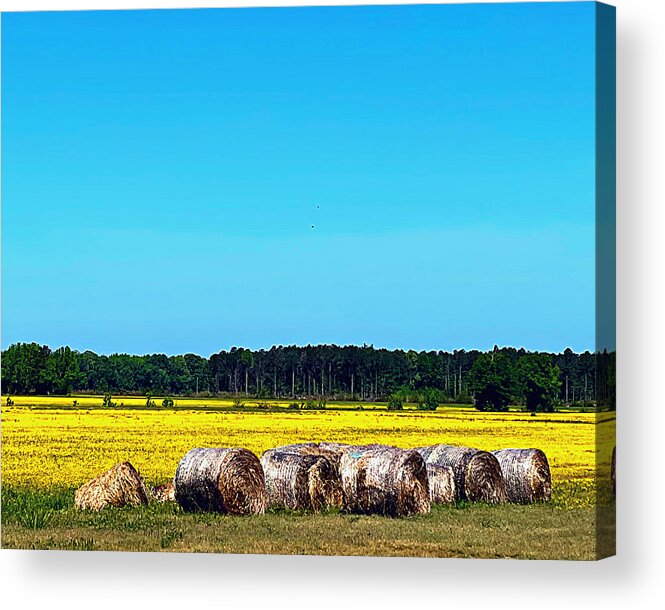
(47, 442)
(50, 446)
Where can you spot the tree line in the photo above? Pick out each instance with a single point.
(364, 373)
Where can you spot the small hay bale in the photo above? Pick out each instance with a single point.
(478, 476)
(613, 473)
(385, 481)
(441, 484)
(526, 473)
(301, 481)
(223, 480)
(119, 486)
(164, 493)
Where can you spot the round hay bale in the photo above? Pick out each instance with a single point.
(164, 493)
(478, 476)
(384, 481)
(441, 484)
(119, 486)
(223, 480)
(613, 473)
(301, 481)
(526, 473)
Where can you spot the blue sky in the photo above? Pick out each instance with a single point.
(184, 181)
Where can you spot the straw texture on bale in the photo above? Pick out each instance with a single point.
(385, 481)
(477, 473)
(336, 447)
(441, 484)
(223, 480)
(164, 493)
(526, 473)
(327, 450)
(613, 472)
(333, 451)
(119, 486)
(301, 481)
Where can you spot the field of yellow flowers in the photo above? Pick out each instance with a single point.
(47, 442)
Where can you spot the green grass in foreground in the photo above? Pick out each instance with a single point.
(47, 520)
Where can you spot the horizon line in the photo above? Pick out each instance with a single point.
(310, 345)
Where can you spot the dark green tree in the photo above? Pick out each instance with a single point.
(492, 381)
(62, 373)
(538, 381)
(24, 367)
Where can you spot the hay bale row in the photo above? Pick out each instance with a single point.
(364, 479)
(477, 473)
(301, 480)
(526, 473)
(384, 480)
(121, 485)
(223, 480)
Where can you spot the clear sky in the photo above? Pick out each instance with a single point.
(411, 177)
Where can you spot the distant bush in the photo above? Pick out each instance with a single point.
(395, 402)
(107, 401)
(429, 400)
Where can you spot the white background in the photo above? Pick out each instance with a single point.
(634, 578)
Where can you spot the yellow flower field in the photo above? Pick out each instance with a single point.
(48, 444)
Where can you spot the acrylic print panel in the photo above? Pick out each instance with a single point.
(333, 280)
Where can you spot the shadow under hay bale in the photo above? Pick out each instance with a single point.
(526, 473)
(384, 480)
(478, 476)
(441, 484)
(301, 480)
(119, 486)
(164, 493)
(223, 480)
(613, 473)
